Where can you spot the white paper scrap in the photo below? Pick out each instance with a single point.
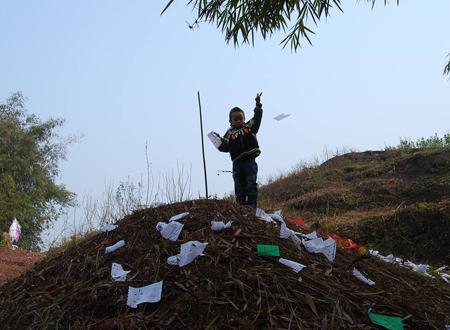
(107, 227)
(445, 277)
(318, 245)
(440, 269)
(114, 247)
(171, 230)
(146, 294)
(285, 232)
(179, 216)
(262, 215)
(361, 277)
(173, 260)
(118, 274)
(423, 269)
(215, 139)
(281, 116)
(297, 241)
(312, 235)
(220, 225)
(188, 252)
(296, 267)
(277, 216)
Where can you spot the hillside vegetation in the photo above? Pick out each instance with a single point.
(396, 201)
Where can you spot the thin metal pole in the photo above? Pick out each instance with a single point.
(203, 145)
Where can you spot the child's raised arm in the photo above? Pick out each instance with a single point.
(255, 122)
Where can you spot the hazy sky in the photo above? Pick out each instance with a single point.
(121, 75)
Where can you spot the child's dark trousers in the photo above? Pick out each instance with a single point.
(245, 187)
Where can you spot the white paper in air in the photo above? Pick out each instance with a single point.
(220, 225)
(146, 294)
(171, 230)
(281, 116)
(118, 274)
(188, 252)
(295, 266)
(326, 247)
(107, 227)
(361, 277)
(262, 215)
(114, 247)
(179, 216)
(215, 139)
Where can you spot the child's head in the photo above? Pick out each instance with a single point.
(237, 117)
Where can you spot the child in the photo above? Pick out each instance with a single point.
(240, 141)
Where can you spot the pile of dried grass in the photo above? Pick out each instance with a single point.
(230, 287)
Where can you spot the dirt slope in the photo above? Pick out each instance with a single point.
(15, 262)
(230, 287)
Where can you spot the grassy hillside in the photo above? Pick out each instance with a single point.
(395, 201)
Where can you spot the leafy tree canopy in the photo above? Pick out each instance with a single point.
(30, 150)
(240, 20)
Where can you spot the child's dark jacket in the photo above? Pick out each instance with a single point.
(241, 143)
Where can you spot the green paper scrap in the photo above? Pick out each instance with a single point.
(387, 321)
(268, 250)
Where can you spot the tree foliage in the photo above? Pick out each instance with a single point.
(241, 20)
(30, 150)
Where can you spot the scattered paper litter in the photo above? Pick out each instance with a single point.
(188, 252)
(118, 274)
(281, 116)
(423, 269)
(179, 216)
(285, 232)
(146, 294)
(114, 247)
(107, 227)
(277, 216)
(262, 215)
(312, 235)
(361, 277)
(297, 241)
(220, 225)
(171, 230)
(296, 266)
(326, 247)
(440, 269)
(215, 139)
(389, 259)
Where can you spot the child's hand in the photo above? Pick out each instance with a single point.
(258, 98)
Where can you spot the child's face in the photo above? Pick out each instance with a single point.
(237, 119)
